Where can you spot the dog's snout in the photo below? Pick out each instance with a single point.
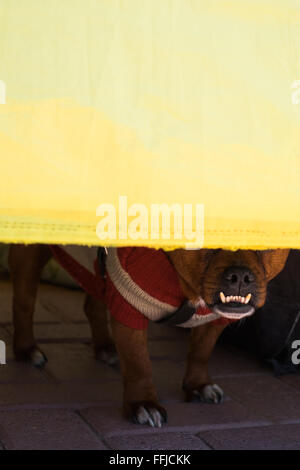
(238, 279)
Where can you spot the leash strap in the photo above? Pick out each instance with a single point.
(101, 256)
(181, 315)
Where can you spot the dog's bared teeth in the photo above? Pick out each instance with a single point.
(234, 298)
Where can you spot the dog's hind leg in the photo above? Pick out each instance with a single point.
(26, 264)
(197, 383)
(97, 315)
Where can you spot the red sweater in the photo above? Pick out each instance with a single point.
(134, 276)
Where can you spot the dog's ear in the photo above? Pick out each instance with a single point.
(274, 261)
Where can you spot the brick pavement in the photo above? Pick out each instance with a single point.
(75, 402)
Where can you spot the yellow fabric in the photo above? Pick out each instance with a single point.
(162, 101)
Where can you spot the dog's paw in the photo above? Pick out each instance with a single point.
(33, 355)
(107, 354)
(210, 393)
(38, 358)
(148, 413)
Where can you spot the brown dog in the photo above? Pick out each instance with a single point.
(231, 283)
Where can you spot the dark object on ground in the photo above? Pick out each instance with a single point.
(271, 332)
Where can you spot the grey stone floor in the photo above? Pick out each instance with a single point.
(75, 402)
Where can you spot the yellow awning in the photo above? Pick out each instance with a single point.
(150, 102)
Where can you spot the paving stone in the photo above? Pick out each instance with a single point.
(68, 394)
(266, 396)
(20, 373)
(231, 362)
(168, 373)
(62, 332)
(182, 417)
(76, 362)
(203, 414)
(172, 350)
(46, 430)
(284, 437)
(293, 380)
(65, 305)
(109, 421)
(168, 441)
(224, 362)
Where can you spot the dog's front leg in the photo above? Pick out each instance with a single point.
(140, 398)
(197, 383)
(26, 264)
